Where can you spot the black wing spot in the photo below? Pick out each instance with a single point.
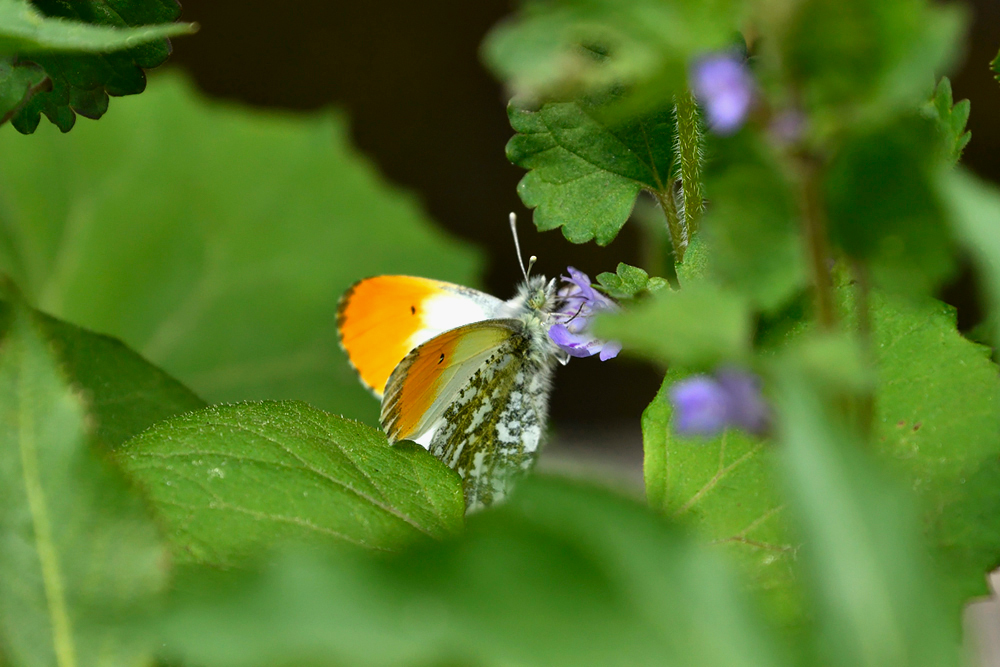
(413, 310)
(441, 360)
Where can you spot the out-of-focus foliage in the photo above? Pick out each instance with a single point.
(78, 555)
(81, 51)
(252, 226)
(230, 480)
(561, 575)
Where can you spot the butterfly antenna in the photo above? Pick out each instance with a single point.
(517, 247)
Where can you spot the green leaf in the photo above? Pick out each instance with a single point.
(884, 207)
(752, 228)
(213, 241)
(861, 559)
(586, 171)
(233, 479)
(974, 211)
(124, 393)
(995, 66)
(89, 49)
(560, 575)
(951, 119)
(557, 49)
(79, 555)
(18, 82)
(628, 282)
(24, 30)
(937, 398)
(697, 326)
(875, 58)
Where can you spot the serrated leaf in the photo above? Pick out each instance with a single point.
(214, 241)
(560, 575)
(89, 49)
(936, 400)
(18, 82)
(950, 118)
(124, 393)
(586, 171)
(79, 555)
(884, 208)
(231, 480)
(629, 281)
(697, 326)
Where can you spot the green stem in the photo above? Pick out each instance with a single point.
(689, 155)
(862, 307)
(814, 231)
(675, 226)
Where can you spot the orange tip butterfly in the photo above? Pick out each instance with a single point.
(463, 373)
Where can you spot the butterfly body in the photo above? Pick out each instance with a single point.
(470, 377)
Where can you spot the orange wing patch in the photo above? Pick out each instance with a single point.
(377, 318)
(429, 378)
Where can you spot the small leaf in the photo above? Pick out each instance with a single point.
(124, 393)
(950, 118)
(89, 49)
(629, 282)
(697, 326)
(561, 575)
(79, 556)
(585, 171)
(18, 82)
(995, 66)
(233, 479)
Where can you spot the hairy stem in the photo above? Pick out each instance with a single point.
(675, 226)
(814, 231)
(688, 156)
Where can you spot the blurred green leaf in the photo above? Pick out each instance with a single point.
(995, 65)
(628, 282)
(751, 228)
(862, 561)
(937, 398)
(214, 241)
(875, 56)
(79, 555)
(89, 49)
(697, 326)
(233, 479)
(974, 211)
(18, 82)
(884, 206)
(124, 393)
(560, 575)
(951, 119)
(585, 171)
(559, 49)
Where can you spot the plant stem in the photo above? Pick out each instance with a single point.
(814, 231)
(862, 307)
(675, 226)
(689, 155)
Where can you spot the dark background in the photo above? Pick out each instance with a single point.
(425, 110)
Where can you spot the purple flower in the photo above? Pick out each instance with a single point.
(725, 88)
(578, 303)
(707, 405)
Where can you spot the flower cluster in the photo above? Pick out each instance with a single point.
(725, 88)
(579, 302)
(707, 405)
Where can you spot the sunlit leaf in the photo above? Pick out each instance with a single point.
(230, 480)
(79, 555)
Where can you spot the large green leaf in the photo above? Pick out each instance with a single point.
(936, 404)
(560, 575)
(124, 393)
(89, 49)
(232, 479)
(586, 171)
(78, 555)
(872, 591)
(214, 241)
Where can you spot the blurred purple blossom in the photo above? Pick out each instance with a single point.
(725, 88)
(579, 302)
(707, 405)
